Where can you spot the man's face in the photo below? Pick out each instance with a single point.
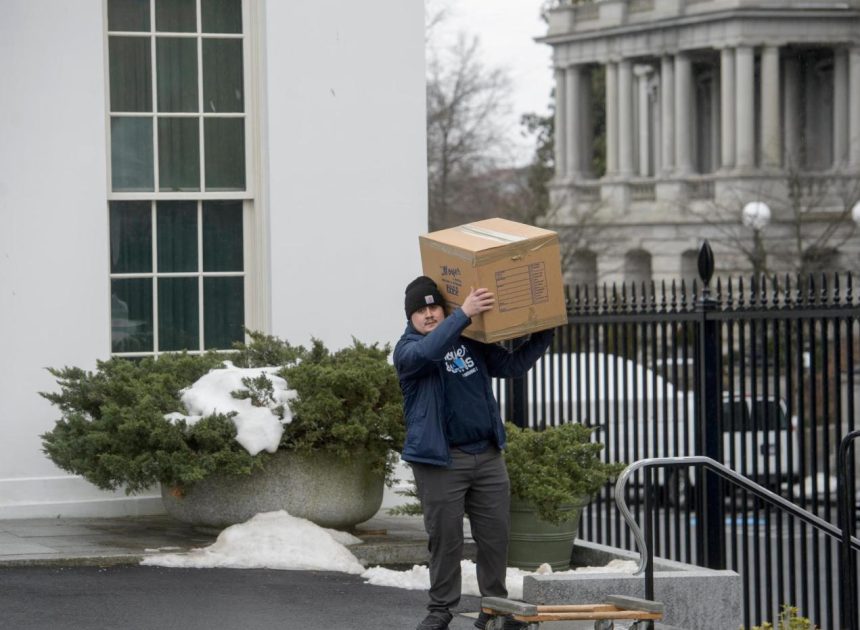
(427, 318)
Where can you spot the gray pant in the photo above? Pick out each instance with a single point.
(476, 485)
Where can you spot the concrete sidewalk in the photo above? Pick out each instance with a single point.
(388, 540)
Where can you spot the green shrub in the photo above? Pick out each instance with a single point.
(555, 467)
(113, 431)
(789, 619)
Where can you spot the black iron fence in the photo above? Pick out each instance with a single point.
(759, 376)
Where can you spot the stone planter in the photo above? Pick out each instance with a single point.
(319, 487)
(535, 542)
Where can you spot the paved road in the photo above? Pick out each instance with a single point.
(150, 598)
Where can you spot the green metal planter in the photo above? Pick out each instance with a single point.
(535, 542)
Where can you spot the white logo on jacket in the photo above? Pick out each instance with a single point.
(459, 362)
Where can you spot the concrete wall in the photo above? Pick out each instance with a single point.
(342, 201)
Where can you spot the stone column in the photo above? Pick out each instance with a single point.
(573, 115)
(771, 126)
(727, 107)
(683, 112)
(854, 107)
(791, 112)
(667, 114)
(625, 117)
(611, 118)
(560, 126)
(840, 107)
(745, 107)
(643, 74)
(586, 132)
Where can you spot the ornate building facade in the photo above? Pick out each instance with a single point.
(709, 105)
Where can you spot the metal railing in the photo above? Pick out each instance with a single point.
(770, 365)
(645, 543)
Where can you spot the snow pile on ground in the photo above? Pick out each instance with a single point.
(277, 540)
(257, 428)
(418, 578)
(271, 540)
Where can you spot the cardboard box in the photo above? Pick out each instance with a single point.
(519, 263)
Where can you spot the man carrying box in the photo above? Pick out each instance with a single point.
(454, 439)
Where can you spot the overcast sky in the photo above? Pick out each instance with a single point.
(507, 29)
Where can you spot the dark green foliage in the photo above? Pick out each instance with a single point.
(348, 402)
(264, 350)
(113, 431)
(555, 467)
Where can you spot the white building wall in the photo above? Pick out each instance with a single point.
(347, 170)
(343, 140)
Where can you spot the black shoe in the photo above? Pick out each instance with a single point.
(482, 620)
(436, 620)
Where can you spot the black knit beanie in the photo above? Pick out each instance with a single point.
(421, 292)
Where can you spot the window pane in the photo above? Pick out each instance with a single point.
(224, 312)
(178, 154)
(222, 236)
(178, 315)
(131, 315)
(175, 16)
(222, 16)
(177, 236)
(130, 74)
(130, 237)
(176, 60)
(225, 153)
(128, 15)
(222, 75)
(131, 154)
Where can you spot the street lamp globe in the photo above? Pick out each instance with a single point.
(756, 215)
(855, 213)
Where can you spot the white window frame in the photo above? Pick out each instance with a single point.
(255, 246)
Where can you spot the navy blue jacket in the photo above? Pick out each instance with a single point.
(418, 360)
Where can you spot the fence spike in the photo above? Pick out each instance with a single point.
(786, 291)
(663, 302)
(633, 303)
(774, 295)
(825, 294)
(741, 292)
(653, 296)
(624, 296)
(719, 293)
(683, 294)
(674, 301)
(605, 298)
(730, 296)
(849, 289)
(810, 280)
(643, 298)
(798, 289)
(614, 297)
(694, 291)
(836, 297)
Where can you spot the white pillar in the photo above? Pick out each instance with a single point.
(560, 126)
(771, 126)
(573, 115)
(611, 118)
(586, 129)
(683, 112)
(727, 107)
(643, 75)
(791, 112)
(667, 114)
(625, 117)
(840, 107)
(745, 107)
(854, 107)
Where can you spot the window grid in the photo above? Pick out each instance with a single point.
(201, 114)
(222, 327)
(156, 274)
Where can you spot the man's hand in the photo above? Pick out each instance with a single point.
(478, 301)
